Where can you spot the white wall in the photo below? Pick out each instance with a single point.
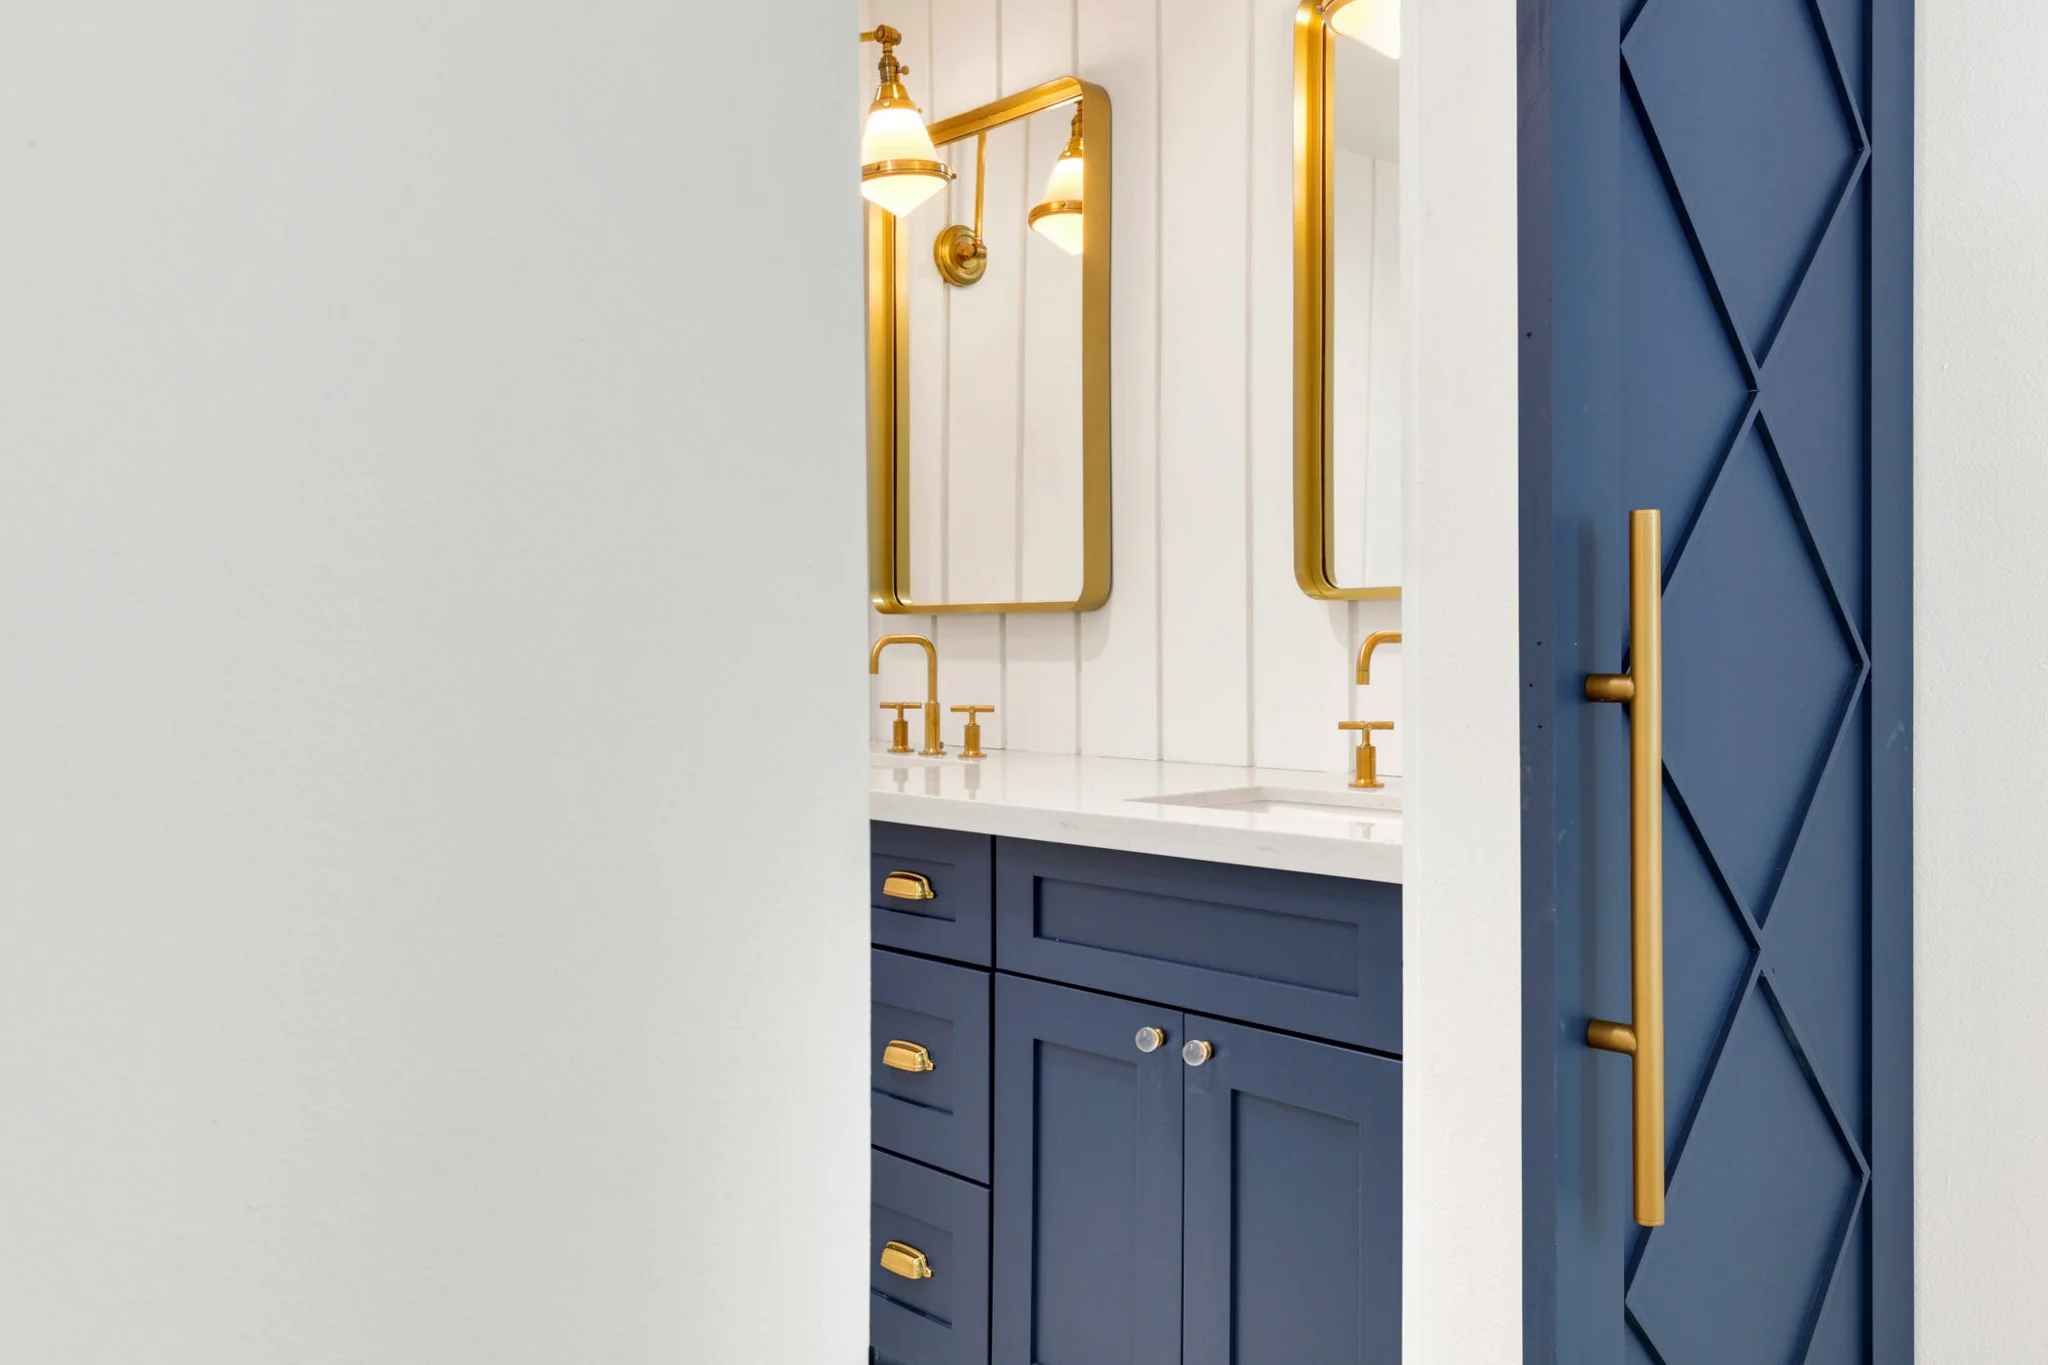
(1207, 650)
(1461, 861)
(401, 955)
(1981, 694)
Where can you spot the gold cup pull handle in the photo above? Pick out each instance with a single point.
(907, 1056)
(900, 1258)
(908, 886)
(1642, 689)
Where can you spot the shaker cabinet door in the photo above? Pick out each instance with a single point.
(1087, 1185)
(1293, 1201)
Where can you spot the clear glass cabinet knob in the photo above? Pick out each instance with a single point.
(1151, 1039)
(1196, 1052)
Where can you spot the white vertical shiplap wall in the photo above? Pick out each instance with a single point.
(1207, 650)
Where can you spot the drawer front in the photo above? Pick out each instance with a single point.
(1313, 955)
(931, 891)
(931, 1020)
(940, 1319)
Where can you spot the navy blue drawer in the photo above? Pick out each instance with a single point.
(935, 1015)
(1313, 955)
(932, 891)
(941, 1319)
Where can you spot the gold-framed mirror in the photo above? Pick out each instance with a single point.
(988, 366)
(1347, 299)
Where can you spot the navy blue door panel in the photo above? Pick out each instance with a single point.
(1716, 287)
(940, 1116)
(1315, 955)
(954, 921)
(943, 1319)
(1087, 1180)
(1293, 1202)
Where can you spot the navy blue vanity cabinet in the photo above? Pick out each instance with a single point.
(1189, 1122)
(1292, 1213)
(928, 1060)
(931, 891)
(1313, 955)
(927, 1266)
(1087, 1179)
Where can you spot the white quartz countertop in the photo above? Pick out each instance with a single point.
(1293, 821)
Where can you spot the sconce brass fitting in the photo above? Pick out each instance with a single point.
(959, 252)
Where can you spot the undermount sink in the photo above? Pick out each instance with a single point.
(1346, 804)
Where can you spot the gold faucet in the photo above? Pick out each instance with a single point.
(1373, 642)
(933, 745)
(1366, 770)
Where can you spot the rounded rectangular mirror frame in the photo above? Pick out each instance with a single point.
(1315, 108)
(888, 354)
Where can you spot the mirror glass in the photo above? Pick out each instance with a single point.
(995, 384)
(988, 366)
(1365, 316)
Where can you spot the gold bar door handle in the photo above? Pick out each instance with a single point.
(900, 1258)
(1642, 690)
(908, 886)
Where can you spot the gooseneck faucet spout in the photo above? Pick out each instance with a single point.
(1373, 642)
(933, 745)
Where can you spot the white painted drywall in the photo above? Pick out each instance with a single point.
(1207, 650)
(423, 517)
(1981, 692)
(1462, 881)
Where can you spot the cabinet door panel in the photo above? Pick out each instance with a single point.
(1087, 1180)
(1293, 1202)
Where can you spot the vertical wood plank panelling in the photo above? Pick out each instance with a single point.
(1202, 355)
(1300, 675)
(1205, 609)
(982, 357)
(1041, 660)
(1119, 49)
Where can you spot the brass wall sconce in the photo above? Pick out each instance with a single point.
(1073, 215)
(900, 169)
(1376, 23)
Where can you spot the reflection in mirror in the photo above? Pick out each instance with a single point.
(1000, 407)
(995, 386)
(1348, 337)
(1365, 317)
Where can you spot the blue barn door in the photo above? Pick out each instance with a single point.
(1716, 255)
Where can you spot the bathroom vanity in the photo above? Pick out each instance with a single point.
(1135, 1051)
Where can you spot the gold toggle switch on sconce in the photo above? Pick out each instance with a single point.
(971, 745)
(900, 168)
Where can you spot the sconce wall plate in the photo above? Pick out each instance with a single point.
(888, 315)
(1315, 140)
